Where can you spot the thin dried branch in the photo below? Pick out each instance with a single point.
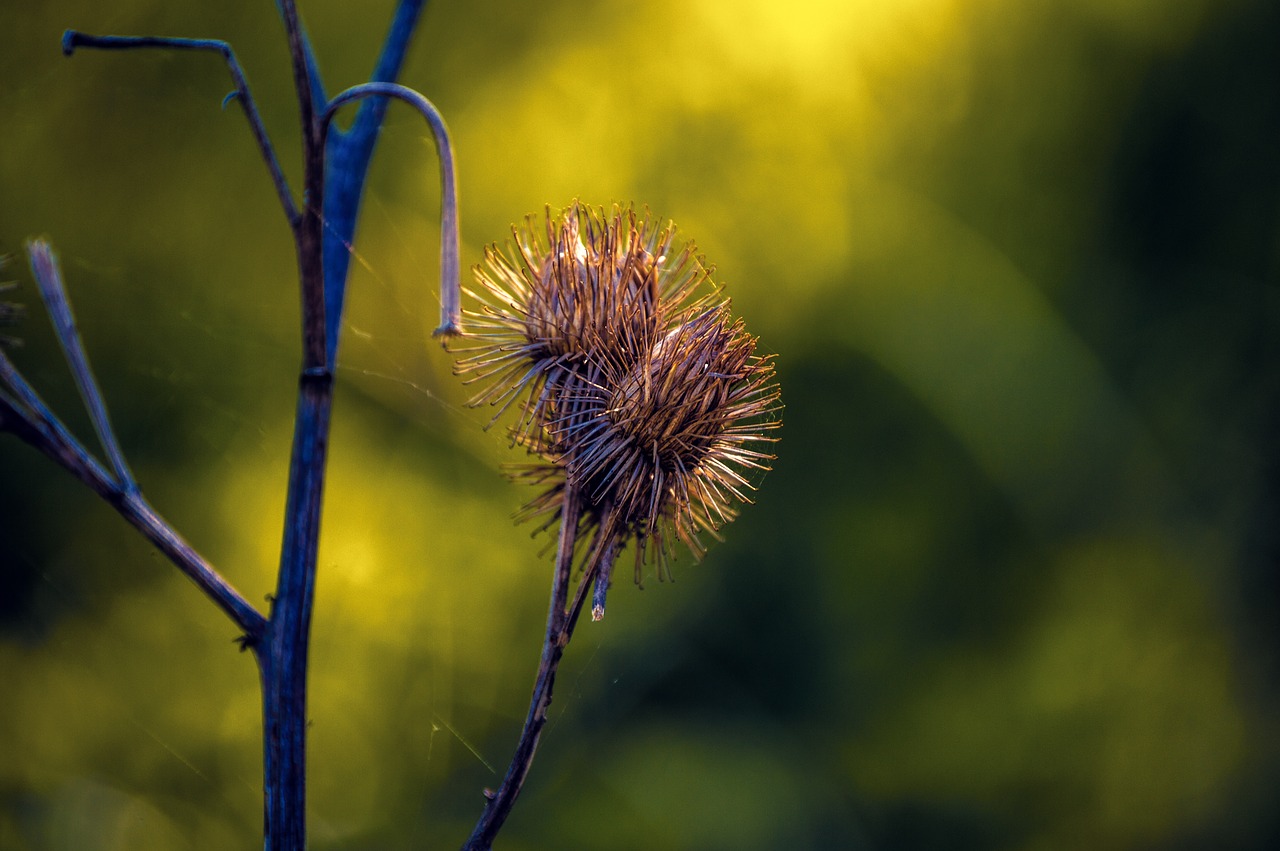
(72, 39)
(450, 287)
(25, 415)
(348, 155)
(498, 804)
(48, 275)
(280, 641)
(308, 235)
(308, 56)
(284, 652)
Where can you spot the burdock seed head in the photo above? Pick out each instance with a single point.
(663, 436)
(560, 292)
(635, 385)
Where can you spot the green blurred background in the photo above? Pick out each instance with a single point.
(1012, 583)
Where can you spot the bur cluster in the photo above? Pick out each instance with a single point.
(636, 390)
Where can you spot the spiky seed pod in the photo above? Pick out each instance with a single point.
(559, 292)
(664, 437)
(634, 382)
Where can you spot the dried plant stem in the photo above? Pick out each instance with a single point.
(52, 438)
(27, 416)
(284, 652)
(323, 226)
(348, 154)
(72, 39)
(44, 266)
(450, 284)
(561, 619)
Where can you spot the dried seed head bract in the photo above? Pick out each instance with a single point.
(9, 313)
(634, 384)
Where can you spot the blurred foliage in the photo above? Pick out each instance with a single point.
(1011, 585)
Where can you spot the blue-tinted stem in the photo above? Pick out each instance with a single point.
(71, 39)
(44, 266)
(450, 292)
(283, 654)
(347, 166)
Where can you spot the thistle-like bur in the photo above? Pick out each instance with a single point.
(637, 390)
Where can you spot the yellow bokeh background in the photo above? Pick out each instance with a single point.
(1011, 584)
